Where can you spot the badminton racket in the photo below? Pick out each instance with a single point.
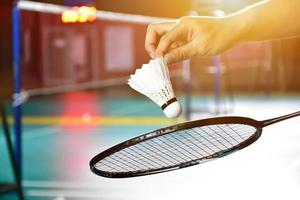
(179, 146)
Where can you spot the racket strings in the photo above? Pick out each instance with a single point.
(205, 147)
(136, 158)
(231, 128)
(177, 147)
(171, 149)
(139, 158)
(224, 138)
(183, 139)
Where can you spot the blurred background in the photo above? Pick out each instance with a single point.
(39, 28)
(71, 100)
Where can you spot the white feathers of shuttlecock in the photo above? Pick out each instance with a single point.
(153, 81)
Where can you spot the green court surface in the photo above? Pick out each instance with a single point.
(62, 133)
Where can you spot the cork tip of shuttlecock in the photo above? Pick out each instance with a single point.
(173, 110)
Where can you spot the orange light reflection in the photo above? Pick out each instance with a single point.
(80, 14)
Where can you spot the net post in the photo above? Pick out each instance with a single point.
(17, 107)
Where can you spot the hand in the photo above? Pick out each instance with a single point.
(154, 33)
(184, 38)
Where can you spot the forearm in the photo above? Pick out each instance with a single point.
(269, 20)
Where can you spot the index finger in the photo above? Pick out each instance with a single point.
(154, 33)
(175, 34)
(151, 40)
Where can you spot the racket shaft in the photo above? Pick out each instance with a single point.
(278, 119)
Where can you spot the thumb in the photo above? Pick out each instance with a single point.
(180, 53)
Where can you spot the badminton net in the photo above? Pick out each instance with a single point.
(58, 57)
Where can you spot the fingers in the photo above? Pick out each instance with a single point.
(188, 36)
(178, 40)
(165, 42)
(176, 44)
(154, 33)
(151, 41)
(181, 53)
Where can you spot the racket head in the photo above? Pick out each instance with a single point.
(98, 161)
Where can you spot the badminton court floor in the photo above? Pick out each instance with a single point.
(62, 133)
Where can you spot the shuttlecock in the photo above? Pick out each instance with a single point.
(153, 81)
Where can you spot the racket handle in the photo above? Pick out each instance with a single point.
(278, 119)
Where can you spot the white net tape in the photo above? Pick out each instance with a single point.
(105, 15)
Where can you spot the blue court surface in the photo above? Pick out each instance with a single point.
(62, 133)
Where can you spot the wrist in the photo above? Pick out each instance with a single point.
(241, 23)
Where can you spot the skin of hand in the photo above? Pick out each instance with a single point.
(207, 36)
(184, 38)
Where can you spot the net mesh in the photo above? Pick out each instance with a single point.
(61, 57)
(176, 148)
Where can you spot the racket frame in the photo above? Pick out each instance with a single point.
(182, 126)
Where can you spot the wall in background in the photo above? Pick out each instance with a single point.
(5, 47)
(249, 68)
(290, 54)
(161, 8)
